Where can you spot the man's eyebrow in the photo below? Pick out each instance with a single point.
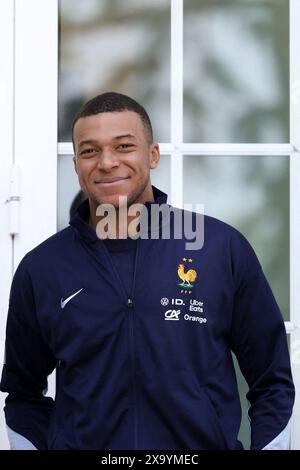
(117, 137)
(86, 142)
(125, 136)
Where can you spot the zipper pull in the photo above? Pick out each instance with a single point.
(129, 303)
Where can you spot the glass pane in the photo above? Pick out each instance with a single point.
(236, 71)
(245, 431)
(160, 177)
(68, 190)
(114, 45)
(70, 195)
(252, 194)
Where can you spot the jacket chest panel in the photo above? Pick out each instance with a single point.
(183, 308)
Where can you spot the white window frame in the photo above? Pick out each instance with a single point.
(295, 212)
(29, 66)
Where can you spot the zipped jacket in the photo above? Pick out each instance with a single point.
(153, 370)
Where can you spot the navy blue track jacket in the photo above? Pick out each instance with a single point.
(153, 371)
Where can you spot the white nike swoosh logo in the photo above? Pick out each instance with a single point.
(63, 303)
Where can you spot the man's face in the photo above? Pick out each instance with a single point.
(113, 157)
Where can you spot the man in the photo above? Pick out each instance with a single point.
(140, 330)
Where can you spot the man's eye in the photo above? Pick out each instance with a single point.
(88, 152)
(125, 146)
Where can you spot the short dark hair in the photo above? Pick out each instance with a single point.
(111, 102)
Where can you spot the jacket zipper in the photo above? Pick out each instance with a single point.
(130, 306)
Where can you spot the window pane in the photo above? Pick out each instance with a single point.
(236, 71)
(160, 177)
(114, 45)
(252, 194)
(245, 432)
(70, 196)
(68, 190)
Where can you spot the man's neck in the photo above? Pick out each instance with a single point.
(115, 225)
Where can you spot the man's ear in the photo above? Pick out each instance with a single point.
(75, 166)
(154, 155)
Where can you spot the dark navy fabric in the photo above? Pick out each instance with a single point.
(155, 373)
(122, 252)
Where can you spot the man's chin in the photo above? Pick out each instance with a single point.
(115, 201)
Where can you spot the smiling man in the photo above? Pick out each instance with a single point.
(114, 152)
(141, 331)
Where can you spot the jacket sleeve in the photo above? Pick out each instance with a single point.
(258, 339)
(28, 362)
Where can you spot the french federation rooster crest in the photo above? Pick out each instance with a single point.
(188, 277)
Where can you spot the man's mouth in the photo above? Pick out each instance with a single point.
(111, 181)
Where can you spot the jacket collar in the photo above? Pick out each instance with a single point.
(80, 220)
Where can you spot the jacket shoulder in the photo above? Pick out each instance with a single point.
(50, 248)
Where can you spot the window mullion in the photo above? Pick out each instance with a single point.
(176, 196)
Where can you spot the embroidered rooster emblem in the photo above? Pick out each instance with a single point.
(186, 277)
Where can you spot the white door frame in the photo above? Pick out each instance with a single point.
(7, 150)
(28, 98)
(35, 124)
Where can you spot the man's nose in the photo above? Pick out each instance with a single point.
(107, 160)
